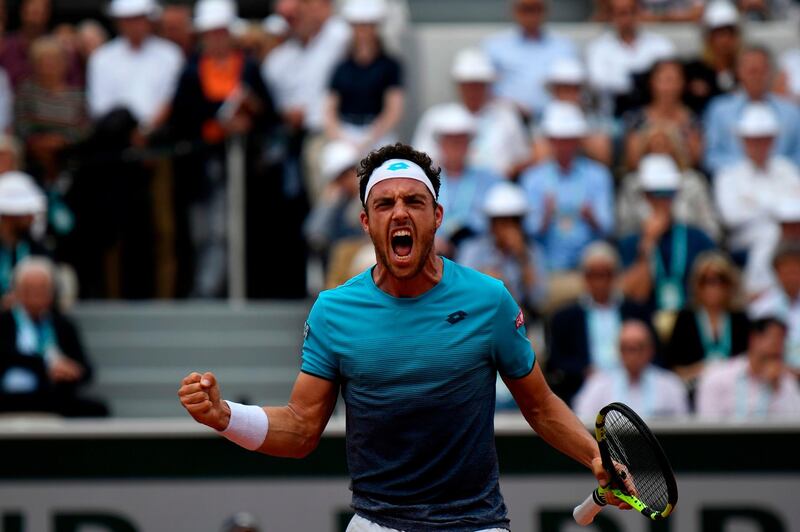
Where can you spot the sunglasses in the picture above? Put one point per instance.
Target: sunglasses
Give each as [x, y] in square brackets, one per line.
[714, 280]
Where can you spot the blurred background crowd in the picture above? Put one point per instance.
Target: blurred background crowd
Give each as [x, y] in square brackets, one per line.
[641, 205]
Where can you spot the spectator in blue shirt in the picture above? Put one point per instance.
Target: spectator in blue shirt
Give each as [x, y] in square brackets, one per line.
[523, 56]
[504, 252]
[723, 145]
[464, 187]
[571, 196]
[657, 261]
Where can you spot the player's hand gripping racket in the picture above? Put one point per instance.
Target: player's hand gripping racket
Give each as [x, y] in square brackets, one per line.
[639, 470]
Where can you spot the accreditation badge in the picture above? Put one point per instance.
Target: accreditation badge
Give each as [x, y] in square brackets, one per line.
[670, 294]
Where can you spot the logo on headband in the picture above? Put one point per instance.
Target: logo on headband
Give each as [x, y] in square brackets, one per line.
[398, 166]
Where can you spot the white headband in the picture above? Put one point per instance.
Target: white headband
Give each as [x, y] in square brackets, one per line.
[395, 169]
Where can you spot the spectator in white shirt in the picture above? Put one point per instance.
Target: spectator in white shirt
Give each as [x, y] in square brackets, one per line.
[759, 275]
[747, 191]
[649, 390]
[501, 143]
[523, 56]
[754, 385]
[783, 300]
[136, 71]
[621, 53]
[298, 71]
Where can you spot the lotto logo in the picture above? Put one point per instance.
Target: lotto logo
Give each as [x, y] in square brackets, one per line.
[397, 166]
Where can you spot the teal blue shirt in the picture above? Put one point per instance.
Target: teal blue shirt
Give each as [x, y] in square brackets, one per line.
[418, 380]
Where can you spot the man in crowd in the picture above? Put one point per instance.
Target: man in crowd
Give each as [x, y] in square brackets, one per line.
[584, 336]
[298, 73]
[501, 143]
[783, 299]
[747, 191]
[42, 361]
[417, 342]
[620, 55]
[651, 391]
[523, 55]
[130, 83]
[464, 186]
[754, 385]
[175, 25]
[658, 259]
[755, 73]
[504, 252]
[571, 197]
[21, 202]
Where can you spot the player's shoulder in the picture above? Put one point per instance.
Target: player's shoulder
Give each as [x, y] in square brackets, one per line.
[353, 287]
[476, 282]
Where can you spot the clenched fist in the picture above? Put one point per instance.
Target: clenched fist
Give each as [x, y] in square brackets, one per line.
[199, 395]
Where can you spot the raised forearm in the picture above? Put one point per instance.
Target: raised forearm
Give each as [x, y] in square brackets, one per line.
[291, 434]
[558, 426]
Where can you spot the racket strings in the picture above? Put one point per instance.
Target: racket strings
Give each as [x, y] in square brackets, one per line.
[627, 446]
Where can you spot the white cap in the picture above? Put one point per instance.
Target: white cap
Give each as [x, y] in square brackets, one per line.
[564, 120]
[20, 195]
[364, 11]
[132, 8]
[338, 156]
[505, 199]
[658, 172]
[566, 71]
[720, 13]
[214, 15]
[787, 209]
[453, 119]
[757, 120]
[275, 25]
[473, 65]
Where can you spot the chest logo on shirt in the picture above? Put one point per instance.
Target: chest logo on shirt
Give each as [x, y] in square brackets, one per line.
[455, 317]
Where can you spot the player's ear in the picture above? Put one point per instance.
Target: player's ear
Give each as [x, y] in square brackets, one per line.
[365, 220]
[439, 214]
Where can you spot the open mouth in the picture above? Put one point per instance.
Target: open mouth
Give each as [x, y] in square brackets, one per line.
[402, 243]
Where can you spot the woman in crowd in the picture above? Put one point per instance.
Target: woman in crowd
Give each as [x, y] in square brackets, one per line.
[366, 97]
[664, 111]
[710, 328]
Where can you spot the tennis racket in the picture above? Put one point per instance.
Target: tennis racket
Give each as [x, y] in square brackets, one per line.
[640, 472]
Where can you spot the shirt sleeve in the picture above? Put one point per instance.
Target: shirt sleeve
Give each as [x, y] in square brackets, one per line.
[512, 351]
[318, 359]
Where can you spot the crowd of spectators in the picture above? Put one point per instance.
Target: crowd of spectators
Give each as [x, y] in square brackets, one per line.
[644, 208]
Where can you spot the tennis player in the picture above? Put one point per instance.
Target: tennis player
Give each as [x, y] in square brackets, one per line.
[414, 343]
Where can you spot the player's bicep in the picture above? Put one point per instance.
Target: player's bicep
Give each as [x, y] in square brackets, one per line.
[530, 391]
[313, 400]
[513, 353]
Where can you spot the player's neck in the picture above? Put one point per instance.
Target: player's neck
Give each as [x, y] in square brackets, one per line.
[429, 276]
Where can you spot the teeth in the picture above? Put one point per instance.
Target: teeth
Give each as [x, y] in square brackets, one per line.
[402, 232]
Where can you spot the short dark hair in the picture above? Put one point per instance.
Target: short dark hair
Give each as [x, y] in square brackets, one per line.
[399, 150]
[758, 326]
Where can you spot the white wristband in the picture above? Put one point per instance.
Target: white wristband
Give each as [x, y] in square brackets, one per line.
[247, 427]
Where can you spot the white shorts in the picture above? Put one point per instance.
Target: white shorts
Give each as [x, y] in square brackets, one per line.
[359, 524]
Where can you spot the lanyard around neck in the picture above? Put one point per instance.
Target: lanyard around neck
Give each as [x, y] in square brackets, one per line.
[714, 348]
[7, 264]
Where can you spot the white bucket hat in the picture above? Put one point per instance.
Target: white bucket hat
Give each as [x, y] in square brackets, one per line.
[473, 65]
[564, 120]
[454, 119]
[566, 71]
[132, 8]
[720, 13]
[364, 11]
[659, 173]
[338, 156]
[505, 200]
[757, 120]
[19, 195]
[214, 15]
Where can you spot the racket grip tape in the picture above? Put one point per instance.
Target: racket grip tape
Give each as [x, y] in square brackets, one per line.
[584, 513]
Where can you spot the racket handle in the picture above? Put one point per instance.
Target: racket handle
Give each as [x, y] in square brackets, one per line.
[584, 513]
